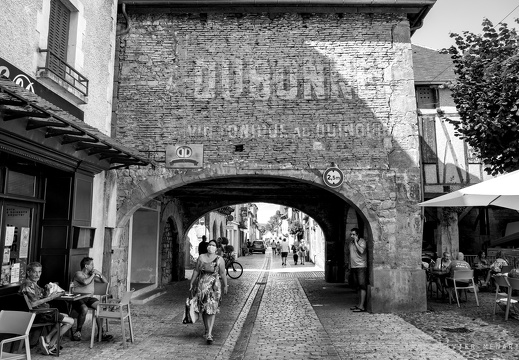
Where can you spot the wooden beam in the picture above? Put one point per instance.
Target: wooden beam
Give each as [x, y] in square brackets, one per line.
[70, 139]
[52, 132]
[12, 114]
[88, 145]
[33, 124]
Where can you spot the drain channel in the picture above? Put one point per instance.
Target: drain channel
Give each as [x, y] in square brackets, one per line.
[242, 342]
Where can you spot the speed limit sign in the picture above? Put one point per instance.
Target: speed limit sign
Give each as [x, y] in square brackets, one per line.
[333, 177]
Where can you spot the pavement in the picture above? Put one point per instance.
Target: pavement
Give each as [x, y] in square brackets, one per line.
[274, 312]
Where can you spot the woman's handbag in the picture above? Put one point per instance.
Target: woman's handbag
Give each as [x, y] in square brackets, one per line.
[190, 315]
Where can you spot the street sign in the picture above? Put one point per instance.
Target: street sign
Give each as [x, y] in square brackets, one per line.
[333, 177]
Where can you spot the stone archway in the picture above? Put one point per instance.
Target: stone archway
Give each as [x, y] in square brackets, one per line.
[389, 270]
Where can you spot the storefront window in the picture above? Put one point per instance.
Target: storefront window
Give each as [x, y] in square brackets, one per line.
[16, 233]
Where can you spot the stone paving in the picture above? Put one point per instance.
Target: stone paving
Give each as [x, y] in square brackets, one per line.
[275, 312]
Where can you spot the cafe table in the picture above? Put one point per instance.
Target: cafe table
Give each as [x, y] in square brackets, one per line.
[70, 298]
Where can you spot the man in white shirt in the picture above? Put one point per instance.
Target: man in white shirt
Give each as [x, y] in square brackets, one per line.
[284, 252]
[359, 266]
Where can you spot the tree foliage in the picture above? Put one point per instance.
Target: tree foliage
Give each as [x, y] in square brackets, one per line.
[486, 93]
[296, 228]
[274, 223]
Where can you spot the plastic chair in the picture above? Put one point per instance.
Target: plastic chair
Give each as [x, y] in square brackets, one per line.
[463, 276]
[115, 310]
[44, 325]
[19, 323]
[100, 291]
[502, 281]
[514, 285]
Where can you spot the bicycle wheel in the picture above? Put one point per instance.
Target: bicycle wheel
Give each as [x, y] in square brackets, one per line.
[234, 270]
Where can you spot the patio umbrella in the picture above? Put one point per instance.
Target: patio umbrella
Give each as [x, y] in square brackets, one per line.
[501, 191]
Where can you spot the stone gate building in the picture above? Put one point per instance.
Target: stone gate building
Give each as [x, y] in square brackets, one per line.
[265, 96]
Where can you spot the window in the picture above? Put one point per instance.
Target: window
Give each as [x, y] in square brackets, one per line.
[59, 22]
[63, 46]
[426, 97]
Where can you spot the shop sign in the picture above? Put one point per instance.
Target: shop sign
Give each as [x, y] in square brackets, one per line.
[20, 78]
[185, 156]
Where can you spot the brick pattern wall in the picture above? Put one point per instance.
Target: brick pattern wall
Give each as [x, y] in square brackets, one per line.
[294, 91]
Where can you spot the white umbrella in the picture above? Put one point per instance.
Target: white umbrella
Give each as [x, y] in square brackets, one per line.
[501, 191]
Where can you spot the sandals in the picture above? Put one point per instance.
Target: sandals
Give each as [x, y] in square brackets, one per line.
[354, 307]
[359, 310]
[209, 339]
[44, 346]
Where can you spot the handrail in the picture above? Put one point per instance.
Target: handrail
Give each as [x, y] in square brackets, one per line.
[65, 72]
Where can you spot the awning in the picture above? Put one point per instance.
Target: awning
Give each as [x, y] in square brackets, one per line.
[26, 118]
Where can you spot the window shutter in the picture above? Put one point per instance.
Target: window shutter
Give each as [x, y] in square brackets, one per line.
[58, 35]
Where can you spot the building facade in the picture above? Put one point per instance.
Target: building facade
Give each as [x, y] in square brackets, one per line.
[261, 100]
[449, 164]
[57, 160]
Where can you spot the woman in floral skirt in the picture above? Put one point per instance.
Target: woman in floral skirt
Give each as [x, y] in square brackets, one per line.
[207, 276]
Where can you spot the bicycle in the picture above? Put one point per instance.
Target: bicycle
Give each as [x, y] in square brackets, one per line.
[233, 268]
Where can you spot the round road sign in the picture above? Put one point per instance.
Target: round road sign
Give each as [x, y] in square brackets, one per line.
[333, 177]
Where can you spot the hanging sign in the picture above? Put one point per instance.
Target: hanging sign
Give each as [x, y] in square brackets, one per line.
[333, 177]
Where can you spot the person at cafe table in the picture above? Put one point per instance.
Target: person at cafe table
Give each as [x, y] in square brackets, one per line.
[84, 280]
[440, 269]
[496, 267]
[481, 266]
[39, 299]
[458, 264]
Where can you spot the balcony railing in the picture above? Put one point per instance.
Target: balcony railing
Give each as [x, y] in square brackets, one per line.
[65, 72]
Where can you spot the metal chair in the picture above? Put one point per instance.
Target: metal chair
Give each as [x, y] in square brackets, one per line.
[115, 310]
[463, 276]
[502, 281]
[18, 323]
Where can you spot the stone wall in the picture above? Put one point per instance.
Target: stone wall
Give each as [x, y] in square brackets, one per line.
[298, 93]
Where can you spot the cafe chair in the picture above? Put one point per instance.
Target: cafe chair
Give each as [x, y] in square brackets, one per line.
[44, 326]
[463, 280]
[16, 323]
[114, 310]
[101, 292]
[502, 282]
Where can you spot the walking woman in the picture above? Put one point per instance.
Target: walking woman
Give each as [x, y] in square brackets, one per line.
[209, 271]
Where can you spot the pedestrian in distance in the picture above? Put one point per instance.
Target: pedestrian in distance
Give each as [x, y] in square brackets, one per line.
[284, 252]
[295, 250]
[206, 286]
[302, 252]
[358, 266]
[202, 247]
[273, 246]
[278, 248]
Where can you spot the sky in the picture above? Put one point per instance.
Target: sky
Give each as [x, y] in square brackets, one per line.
[456, 16]
[265, 211]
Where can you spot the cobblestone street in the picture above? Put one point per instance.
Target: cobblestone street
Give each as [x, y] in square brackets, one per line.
[292, 313]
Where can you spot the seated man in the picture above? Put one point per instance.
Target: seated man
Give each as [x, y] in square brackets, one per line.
[36, 295]
[496, 267]
[84, 284]
[458, 264]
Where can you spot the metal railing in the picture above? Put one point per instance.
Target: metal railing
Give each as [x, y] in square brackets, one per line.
[65, 72]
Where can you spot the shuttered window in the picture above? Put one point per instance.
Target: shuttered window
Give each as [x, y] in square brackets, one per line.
[59, 22]
[426, 97]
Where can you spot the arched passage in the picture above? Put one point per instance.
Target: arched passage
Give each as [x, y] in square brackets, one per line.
[189, 195]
